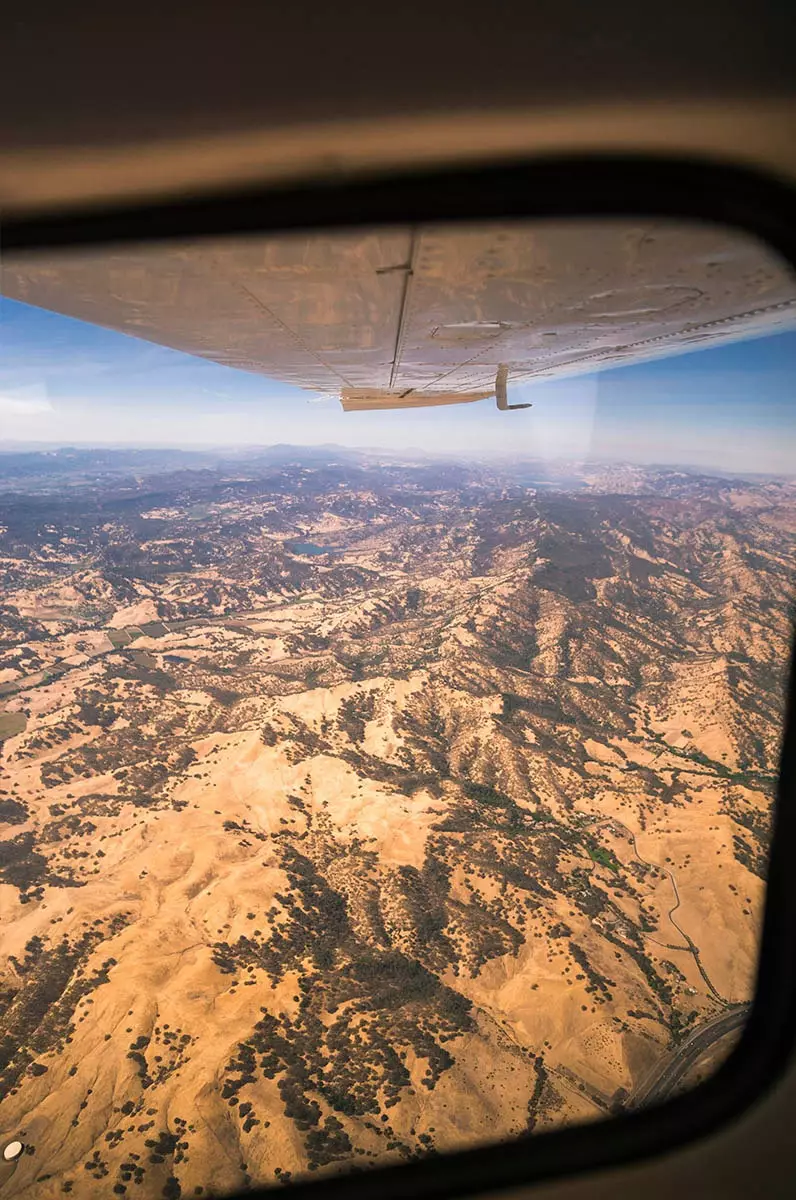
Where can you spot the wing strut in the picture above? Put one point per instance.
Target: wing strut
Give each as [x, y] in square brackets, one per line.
[501, 393]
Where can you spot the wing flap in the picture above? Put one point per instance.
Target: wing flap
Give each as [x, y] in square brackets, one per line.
[369, 400]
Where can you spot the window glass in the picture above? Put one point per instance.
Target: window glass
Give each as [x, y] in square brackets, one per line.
[386, 766]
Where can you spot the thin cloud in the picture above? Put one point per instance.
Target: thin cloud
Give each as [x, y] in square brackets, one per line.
[16, 405]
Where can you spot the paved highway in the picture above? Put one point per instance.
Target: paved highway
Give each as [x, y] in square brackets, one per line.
[668, 1074]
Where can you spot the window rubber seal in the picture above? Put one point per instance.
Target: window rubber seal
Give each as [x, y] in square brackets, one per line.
[550, 187]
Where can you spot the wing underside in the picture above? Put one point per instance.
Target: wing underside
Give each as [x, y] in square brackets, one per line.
[414, 317]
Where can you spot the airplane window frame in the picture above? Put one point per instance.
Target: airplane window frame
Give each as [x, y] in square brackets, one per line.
[587, 186]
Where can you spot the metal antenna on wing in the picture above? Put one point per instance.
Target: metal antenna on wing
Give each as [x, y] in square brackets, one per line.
[501, 393]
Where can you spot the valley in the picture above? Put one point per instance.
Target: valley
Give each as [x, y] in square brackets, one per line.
[357, 808]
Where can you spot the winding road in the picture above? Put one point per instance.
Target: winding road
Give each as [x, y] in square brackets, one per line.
[690, 945]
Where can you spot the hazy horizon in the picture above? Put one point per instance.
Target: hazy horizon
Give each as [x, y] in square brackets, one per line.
[231, 450]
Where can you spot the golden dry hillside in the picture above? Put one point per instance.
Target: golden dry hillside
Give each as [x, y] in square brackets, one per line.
[357, 808]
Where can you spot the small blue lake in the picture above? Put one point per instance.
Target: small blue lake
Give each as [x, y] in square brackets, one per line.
[311, 549]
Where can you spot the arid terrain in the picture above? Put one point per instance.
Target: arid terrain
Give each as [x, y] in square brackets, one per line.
[357, 808]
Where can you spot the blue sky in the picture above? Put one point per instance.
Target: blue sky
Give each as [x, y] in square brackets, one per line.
[63, 381]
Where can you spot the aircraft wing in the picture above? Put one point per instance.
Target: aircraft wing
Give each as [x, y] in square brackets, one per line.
[433, 315]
